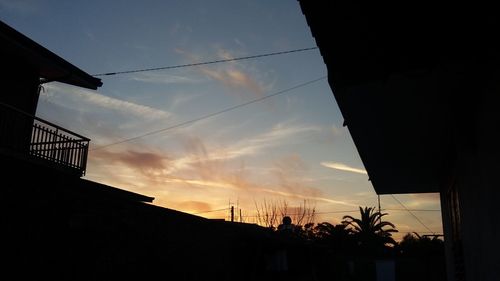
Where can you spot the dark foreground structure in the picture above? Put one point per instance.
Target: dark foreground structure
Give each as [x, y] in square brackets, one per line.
[418, 85]
[57, 226]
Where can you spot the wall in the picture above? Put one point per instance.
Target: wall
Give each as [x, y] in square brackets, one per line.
[477, 184]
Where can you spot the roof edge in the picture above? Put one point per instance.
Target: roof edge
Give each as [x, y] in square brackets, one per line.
[73, 75]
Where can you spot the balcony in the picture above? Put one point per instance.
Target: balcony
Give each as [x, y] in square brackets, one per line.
[30, 137]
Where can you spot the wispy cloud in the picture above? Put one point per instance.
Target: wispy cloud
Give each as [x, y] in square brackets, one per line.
[277, 135]
[343, 167]
[200, 166]
[215, 170]
[248, 146]
[74, 97]
[193, 206]
[234, 79]
[306, 197]
[147, 163]
[162, 78]
[206, 183]
[231, 75]
[178, 100]
[253, 188]
[337, 131]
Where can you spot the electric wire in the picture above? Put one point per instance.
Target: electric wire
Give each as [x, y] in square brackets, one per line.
[323, 213]
[235, 107]
[410, 212]
[429, 231]
[413, 210]
[211, 114]
[211, 211]
[204, 63]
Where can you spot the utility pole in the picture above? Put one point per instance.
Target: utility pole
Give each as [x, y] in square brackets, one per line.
[232, 213]
[241, 219]
[380, 217]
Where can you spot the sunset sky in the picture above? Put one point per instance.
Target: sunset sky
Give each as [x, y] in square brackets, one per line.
[291, 146]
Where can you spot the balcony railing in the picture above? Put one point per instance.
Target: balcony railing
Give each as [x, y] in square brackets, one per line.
[35, 138]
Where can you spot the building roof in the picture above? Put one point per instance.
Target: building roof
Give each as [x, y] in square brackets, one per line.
[51, 67]
[393, 68]
[103, 190]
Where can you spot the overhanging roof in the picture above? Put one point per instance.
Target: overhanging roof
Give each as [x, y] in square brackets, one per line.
[393, 68]
[49, 65]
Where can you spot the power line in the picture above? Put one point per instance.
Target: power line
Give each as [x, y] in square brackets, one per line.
[211, 211]
[413, 210]
[338, 212]
[298, 214]
[412, 213]
[212, 114]
[348, 211]
[205, 63]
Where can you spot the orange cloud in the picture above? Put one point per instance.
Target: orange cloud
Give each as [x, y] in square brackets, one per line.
[234, 79]
[228, 74]
[144, 162]
[199, 177]
[193, 206]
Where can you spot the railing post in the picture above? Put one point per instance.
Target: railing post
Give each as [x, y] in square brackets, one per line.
[47, 140]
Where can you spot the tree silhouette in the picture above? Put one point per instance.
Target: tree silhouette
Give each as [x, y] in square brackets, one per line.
[338, 237]
[327, 230]
[270, 213]
[370, 231]
[415, 245]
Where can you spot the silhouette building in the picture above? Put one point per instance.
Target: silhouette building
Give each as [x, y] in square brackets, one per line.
[57, 225]
[418, 86]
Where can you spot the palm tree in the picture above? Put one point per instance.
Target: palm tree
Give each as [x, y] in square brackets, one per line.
[337, 237]
[370, 230]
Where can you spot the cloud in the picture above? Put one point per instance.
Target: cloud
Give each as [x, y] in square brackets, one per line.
[420, 200]
[162, 78]
[276, 136]
[337, 131]
[343, 167]
[178, 100]
[230, 75]
[224, 54]
[197, 152]
[306, 197]
[74, 97]
[148, 163]
[205, 183]
[234, 79]
[193, 206]
[202, 170]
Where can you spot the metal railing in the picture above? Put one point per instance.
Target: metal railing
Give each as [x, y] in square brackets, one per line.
[34, 137]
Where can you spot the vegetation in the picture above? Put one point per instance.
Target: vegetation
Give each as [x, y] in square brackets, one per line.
[271, 213]
[351, 248]
[370, 231]
[414, 245]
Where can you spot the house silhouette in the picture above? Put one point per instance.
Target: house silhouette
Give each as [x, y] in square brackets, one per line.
[58, 226]
[418, 86]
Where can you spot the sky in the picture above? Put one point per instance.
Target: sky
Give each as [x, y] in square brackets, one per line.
[290, 147]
